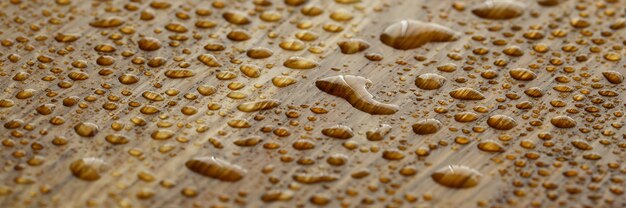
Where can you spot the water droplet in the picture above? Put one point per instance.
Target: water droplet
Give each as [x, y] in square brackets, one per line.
[297, 62]
[457, 176]
[149, 44]
[427, 126]
[430, 81]
[107, 22]
[490, 146]
[501, 122]
[314, 178]
[86, 129]
[216, 168]
[338, 132]
[89, 169]
[209, 60]
[354, 90]
[465, 93]
[410, 34]
[258, 105]
[352, 46]
[499, 9]
[379, 133]
[563, 122]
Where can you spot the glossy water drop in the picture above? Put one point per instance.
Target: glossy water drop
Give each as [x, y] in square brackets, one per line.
[457, 176]
[354, 90]
[216, 168]
[410, 34]
[499, 9]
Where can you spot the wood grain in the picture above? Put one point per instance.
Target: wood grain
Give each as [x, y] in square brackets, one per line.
[36, 171]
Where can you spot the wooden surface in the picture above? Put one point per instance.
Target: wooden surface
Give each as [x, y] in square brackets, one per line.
[145, 172]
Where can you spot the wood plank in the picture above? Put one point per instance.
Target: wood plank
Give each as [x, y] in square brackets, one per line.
[113, 103]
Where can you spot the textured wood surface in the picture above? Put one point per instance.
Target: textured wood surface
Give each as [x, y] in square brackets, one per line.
[533, 160]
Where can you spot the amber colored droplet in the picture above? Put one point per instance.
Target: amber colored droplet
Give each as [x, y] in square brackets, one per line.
[238, 35]
[176, 27]
[457, 176]
[427, 126]
[320, 199]
[116, 139]
[66, 37]
[248, 142]
[216, 168]
[534, 92]
[214, 47]
[490, 146]
[393, 154]
[6, 103]
[430, 81]
[258, 105]
[374, 56]
[522, 74]
[563, 122]
[354, 90]
[307, 36]
[149, 44]
[352, 46]
[499, 9]
[465, 93]
[379, 133]
[283, 81]
[209, 60]
[179, 73]
[86, 129]
[239, 123]
[162, 134]
[581, 144]
[107, 22]
[152, 96]
[89, 169]
[271, 16]
[341, 15]
[314, 178]
[338, 132]
[259, 53]
[347, 1]
[465, 117]
[549, 2]
[501, 122]
[77, 76]
[337, 159]
[618, 24]
[297, 62]
[614, 77]
[579, 23]
[410, 34]
[45, 109]
[128, 79]
[250, 70]
[25, 94]
[206, 90]
[278, 195]
[237, 18]
[292, 45]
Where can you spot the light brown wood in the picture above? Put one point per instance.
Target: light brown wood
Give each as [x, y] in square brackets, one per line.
[523, 100]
